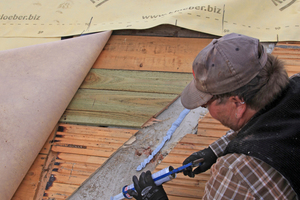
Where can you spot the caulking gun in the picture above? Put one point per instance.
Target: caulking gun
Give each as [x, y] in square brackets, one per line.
[159, 178]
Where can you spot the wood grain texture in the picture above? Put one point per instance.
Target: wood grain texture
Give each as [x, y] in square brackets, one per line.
[136, 81]
[150, 53]
[31, 184]
[80, 151]
[104, 107]
[289, 52]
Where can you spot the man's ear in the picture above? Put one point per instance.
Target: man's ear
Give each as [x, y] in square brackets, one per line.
[240, 106]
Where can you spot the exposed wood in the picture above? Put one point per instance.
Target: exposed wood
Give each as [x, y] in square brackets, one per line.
[150, 53]
[46, 174]
[99, 131]
[103, 107]
[135, 103]
[27, 188]
[78, 154]
[136, 81]
[289, 52]
[80, 150]
[210, 127]
[30, 185]
[183, 186]
[103, 118]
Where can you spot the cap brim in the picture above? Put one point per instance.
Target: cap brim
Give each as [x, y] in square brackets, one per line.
[192, 98]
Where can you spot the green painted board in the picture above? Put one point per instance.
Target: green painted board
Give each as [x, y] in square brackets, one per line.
[106, 107]
[138, 81]
[103, 118]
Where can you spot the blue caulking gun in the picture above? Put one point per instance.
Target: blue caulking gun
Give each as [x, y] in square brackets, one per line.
[159, 178]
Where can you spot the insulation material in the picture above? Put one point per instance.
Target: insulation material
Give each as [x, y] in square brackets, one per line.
[271, 21]
[36, 87]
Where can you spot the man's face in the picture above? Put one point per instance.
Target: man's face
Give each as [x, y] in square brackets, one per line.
[225, 113]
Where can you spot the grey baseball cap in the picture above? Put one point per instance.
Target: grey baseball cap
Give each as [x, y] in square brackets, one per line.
[224, 65]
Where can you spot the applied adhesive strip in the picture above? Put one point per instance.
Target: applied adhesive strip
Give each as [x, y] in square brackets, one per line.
[169, 134]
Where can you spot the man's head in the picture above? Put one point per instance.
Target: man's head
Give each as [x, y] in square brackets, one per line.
[235, 67]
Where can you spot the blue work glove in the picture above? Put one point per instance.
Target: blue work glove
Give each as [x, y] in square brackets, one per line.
[145, 188]
[209, 159]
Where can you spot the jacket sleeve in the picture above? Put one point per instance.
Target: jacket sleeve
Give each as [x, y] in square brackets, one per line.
[219, 146]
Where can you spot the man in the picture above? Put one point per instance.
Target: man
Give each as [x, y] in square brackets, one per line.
[249, 91]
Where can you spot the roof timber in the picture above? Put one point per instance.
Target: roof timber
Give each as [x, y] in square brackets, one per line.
[185, 146]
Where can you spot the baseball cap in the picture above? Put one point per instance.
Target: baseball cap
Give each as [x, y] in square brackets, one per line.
[224, 65]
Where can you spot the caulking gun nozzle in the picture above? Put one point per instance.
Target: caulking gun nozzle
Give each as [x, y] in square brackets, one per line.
[197, 162]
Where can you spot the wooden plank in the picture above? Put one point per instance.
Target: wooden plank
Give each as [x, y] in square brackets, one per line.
[69, 179]
[81, 150]
[88, 140]
[150, 53]
[289, 52]
[81, 158]
[66, 167]
[101, 107]
[31, 182]
[28, 187]
[103, 118]
[100, 131]
[135, 103]
[46, 173]
[60, 188]
[136, 81]
[84, 151]
[196, 140]
[211, 133]
[191, 192]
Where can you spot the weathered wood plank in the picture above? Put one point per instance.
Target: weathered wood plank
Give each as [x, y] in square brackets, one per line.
[75, 168]
[69, 179]
[84, 151]
[81, 158]
[100, 131]
[178, 190]
[60, 188]
[28, 187]
[197, 140]
[89, 140]
[46, 173]
[150, 53]
[137, 81]
[211, 133]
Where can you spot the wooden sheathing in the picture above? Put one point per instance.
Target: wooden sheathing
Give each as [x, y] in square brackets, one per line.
[77, 149]
[32, 185]
[289, 52]
[81, 150]
[134, 79]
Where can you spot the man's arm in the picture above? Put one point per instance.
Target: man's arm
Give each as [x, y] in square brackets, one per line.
[210, 154]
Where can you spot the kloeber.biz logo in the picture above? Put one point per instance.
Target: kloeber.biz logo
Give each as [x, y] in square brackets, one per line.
[19, 17]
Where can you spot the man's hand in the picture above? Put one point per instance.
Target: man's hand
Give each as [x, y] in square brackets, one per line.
[209, 159]
[145, 188]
